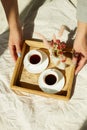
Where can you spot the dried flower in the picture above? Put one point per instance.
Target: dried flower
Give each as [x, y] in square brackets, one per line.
[57, 47]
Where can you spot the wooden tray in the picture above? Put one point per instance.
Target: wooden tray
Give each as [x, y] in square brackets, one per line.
[27, 82]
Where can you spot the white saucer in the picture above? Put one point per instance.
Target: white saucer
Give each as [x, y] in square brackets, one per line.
[36, 68]
[59, 84]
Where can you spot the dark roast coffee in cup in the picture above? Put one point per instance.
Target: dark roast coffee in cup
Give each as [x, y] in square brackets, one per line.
[35, 59]
[50, 79]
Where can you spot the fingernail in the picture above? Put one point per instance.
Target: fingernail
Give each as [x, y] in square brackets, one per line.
[76, 73]
[74, 63]
[19, 54]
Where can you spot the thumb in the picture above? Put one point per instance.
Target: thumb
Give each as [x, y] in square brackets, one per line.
[74, 60]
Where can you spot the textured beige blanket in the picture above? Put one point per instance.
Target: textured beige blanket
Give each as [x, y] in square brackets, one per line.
[32, 112]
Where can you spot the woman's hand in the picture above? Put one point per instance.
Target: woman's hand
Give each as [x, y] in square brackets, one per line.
[15, 36]
[15, 41]
[80, 46]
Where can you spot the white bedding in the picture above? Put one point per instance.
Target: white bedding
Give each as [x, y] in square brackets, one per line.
[32, 112]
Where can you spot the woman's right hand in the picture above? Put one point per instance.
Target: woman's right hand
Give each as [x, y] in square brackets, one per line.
[15, 41]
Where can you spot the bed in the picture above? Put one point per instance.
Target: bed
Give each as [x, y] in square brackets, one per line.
[24, 111]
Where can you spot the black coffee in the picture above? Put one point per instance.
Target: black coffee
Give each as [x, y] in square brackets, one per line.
[50, 79]
[34, 59]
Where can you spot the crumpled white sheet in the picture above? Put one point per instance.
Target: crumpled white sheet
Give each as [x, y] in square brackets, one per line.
[32, 112]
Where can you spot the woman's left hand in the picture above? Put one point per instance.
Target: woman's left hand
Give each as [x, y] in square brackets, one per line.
[80, 47]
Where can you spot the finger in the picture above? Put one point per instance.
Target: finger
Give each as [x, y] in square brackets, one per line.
[81, 63]
[74, 60]
[13, 52]
[18, 49]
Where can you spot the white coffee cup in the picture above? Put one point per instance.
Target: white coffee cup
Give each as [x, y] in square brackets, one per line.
[50, 78]
[35, 61]
[33, 58]
[51, 81]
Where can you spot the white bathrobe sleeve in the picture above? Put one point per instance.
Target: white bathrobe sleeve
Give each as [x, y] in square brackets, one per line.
[82, 10]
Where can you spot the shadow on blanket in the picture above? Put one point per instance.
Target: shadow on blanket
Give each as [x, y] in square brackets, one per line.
[84, 127]
[28, 24]
[3, 42]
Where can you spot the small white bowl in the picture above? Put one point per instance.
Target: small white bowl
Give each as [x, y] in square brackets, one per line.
[51, 81]
[35, 61]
